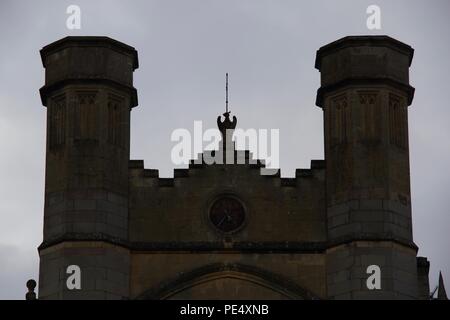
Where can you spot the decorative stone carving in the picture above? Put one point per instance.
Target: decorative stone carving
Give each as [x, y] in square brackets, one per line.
[340, 119]
[116, 120]
[371, 117]
[85, 124]
[57, 122]
[397, 121]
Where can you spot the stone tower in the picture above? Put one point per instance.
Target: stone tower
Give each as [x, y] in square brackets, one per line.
[365, 94]
[89, 94]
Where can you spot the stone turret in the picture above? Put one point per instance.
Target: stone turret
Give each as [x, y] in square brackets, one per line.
[89, 94]
[365, 94]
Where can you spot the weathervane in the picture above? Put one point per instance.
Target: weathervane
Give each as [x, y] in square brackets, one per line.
[226, 123]
[226, 93]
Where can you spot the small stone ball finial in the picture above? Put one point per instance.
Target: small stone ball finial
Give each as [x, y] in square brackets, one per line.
[31, 285]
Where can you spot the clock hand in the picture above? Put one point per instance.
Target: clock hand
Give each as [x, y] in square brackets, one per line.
[221, 221]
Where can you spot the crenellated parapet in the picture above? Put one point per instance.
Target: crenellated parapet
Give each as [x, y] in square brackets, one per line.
[138, 171]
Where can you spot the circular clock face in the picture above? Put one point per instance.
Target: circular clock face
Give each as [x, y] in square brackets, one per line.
[227, 214]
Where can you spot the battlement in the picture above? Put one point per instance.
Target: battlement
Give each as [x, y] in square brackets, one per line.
[138, 170]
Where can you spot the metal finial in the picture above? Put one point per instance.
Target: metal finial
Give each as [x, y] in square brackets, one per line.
[441, 295]
[226, 93]
[31, 295]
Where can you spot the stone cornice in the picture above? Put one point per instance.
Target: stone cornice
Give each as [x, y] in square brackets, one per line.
[358, 41]
[46, 90]
[226, 247]
[355, 81]
[89, 41]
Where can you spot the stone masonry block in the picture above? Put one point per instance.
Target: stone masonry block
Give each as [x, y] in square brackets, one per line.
[367, 216]
[82, 204]
[367, 260]
[338, 209]
[108, 206]
[405, 262]
[111, 287]
[118, 199]
[372, 227]
[115, 231]
[344, 230]
[344, 287]
[52, 209]
[336, 265]
[81, 227]
[405, 288]
[54, 198]
[85, 216]
[397, 207]
[117, 221]
[342, 275]
[369, 204]
[338, 220]
[117, 277]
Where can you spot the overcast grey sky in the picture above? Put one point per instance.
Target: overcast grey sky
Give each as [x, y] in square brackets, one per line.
[185, 47]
